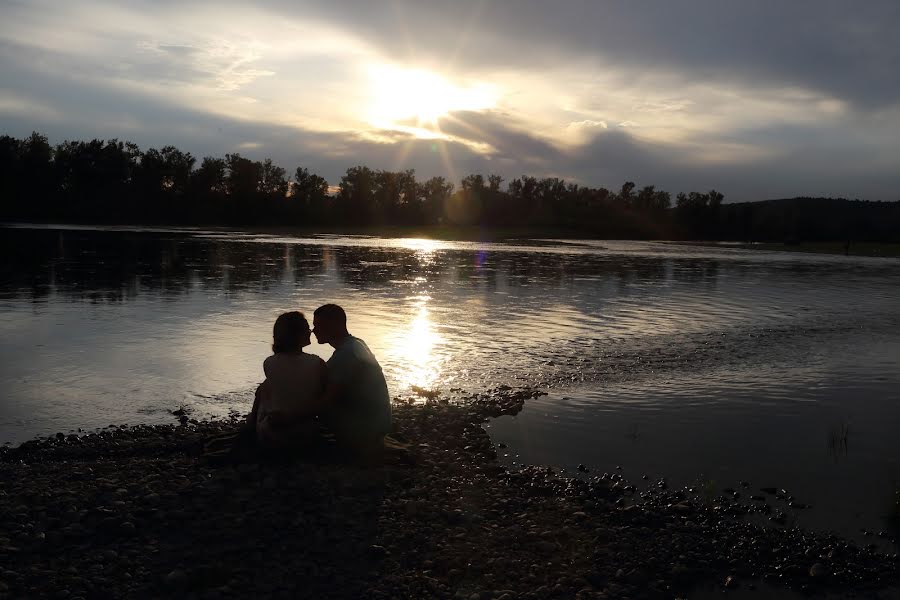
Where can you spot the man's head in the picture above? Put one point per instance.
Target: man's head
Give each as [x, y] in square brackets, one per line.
[330, 324]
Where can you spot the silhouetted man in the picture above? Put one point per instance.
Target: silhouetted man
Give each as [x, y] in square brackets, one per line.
[357, 403]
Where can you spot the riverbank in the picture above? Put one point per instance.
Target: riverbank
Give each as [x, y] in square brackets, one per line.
[854, 249]
[883, 249]
[452, 233]
[461, 233]
[135, 512]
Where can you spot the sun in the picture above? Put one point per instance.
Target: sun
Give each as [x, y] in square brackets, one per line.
[416, 99]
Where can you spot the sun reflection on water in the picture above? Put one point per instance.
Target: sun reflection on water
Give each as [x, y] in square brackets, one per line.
[414, 350]
[422, 246]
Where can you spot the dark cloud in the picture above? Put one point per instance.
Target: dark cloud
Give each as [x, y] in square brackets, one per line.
[503, 132]
[844, 50]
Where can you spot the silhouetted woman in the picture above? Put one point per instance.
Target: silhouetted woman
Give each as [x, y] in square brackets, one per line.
[283, 414]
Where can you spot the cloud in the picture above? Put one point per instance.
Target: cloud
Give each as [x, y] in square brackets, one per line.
[16, 105]
[223, 65]
[822, 45]
[758, 99]
[587, 124]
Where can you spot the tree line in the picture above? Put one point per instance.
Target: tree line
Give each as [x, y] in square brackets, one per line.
[112, 181]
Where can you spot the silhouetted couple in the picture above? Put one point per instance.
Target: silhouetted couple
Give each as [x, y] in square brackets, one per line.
[304, 399]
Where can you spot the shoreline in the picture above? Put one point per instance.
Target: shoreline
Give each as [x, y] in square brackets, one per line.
[454, 233]
[135, 512]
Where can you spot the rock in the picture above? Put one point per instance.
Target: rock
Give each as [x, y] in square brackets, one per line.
[818, 570]
[176, 580]
[127, 528]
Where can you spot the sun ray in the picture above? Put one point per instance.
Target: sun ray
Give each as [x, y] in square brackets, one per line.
[475, 132]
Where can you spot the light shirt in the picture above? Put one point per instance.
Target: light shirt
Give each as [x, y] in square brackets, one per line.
[363, 409]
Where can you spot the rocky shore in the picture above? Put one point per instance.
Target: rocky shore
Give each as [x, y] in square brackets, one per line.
[136, 512]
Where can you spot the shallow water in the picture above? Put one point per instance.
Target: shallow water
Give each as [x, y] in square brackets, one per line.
[699, 363]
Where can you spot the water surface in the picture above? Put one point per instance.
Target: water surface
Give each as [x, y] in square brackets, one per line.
[703, 364]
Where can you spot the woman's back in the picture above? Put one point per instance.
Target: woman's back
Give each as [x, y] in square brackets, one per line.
[295, 380]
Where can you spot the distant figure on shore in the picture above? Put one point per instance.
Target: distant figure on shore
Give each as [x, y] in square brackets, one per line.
[356, 406]
[283, 414]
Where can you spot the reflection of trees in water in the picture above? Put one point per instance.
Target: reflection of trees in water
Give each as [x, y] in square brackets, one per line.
[116, 266]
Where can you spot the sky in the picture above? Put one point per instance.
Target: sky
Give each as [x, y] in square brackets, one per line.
[762, 99]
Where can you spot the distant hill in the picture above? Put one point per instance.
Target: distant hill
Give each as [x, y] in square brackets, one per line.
[809, 219]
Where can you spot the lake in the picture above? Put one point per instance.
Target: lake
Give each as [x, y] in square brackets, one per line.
[707, 365]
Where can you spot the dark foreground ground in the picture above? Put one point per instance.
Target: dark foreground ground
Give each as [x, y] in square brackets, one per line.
[135, 512]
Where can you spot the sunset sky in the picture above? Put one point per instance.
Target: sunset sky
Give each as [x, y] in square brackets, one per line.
[756, 99]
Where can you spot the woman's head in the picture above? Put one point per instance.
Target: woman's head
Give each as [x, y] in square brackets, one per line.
[291, 332]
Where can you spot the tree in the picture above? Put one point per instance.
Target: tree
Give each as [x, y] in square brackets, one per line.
[211, 178]
[411, 210]
[309, 193]
[356, 200]
[273, 181]
[177, 169]
[434, 194]
[473, 182]
[244, 177]
[625, 196]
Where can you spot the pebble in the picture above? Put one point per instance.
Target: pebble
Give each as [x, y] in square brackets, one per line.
[176, 579]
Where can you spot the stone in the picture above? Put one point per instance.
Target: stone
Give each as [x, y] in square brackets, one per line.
[176, 579]
[127, 528]
[818, 570]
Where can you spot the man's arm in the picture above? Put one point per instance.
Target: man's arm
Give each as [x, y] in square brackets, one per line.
[327, 394]
[338, 375]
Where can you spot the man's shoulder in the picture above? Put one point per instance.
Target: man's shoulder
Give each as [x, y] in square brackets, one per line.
[353, 353]
[349, 346]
